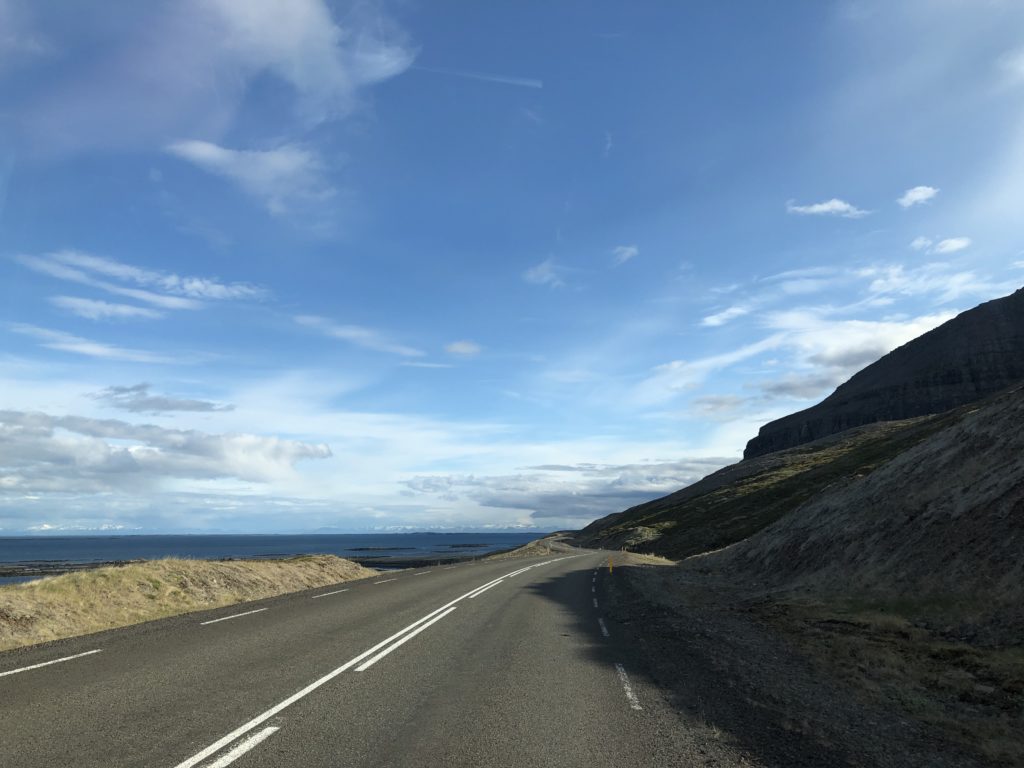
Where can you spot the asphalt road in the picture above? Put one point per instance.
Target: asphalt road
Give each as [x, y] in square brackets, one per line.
[481, 664]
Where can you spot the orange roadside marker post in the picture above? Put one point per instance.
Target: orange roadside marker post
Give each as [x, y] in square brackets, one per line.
[609, 564]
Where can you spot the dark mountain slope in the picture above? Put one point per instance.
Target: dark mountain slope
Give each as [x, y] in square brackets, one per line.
[977, 353]
[739, 500]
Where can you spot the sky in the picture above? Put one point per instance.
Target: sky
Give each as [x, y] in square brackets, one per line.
[306, 265]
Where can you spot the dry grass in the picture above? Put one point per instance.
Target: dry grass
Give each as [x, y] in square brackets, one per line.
[90, 601]
[640, 558]
[974, 694]
[550, 545]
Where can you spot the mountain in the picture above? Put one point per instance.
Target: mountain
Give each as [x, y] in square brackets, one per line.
[942, 521]
[739, 500]
[977, 353]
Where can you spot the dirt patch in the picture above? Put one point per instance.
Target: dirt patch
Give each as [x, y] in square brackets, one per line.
[79, 603]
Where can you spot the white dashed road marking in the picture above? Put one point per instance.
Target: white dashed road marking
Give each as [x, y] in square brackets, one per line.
[232, 616]
[328, 594]
[634, 702]
[48, 663]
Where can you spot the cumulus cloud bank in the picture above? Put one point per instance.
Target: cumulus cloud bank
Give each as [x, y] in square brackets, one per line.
[40, 452]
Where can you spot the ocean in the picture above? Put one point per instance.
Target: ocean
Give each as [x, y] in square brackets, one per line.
[92, 549]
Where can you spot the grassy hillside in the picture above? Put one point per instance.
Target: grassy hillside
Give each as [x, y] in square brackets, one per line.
[740, 500]
[90, 601]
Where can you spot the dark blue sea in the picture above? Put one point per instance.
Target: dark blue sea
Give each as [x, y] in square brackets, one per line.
[90, 549]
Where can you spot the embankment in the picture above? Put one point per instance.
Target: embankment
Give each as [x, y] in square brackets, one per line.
[104, 598]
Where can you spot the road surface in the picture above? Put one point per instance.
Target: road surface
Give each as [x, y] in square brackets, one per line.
[496, 663]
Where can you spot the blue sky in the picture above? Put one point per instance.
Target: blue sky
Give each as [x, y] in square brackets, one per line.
[376, 266]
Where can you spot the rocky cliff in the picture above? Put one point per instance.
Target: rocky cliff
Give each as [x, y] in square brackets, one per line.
[974, 355]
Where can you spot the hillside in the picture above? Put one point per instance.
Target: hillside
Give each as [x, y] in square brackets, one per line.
[740, 500]
[976, 354]
[940, 523]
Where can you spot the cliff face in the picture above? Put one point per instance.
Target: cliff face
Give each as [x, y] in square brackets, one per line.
[972, 356]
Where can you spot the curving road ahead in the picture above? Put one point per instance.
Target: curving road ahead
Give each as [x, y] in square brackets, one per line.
[501, 663]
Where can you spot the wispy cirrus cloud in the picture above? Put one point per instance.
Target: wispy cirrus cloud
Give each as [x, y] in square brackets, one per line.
[463, 348]
[952, 244]
[917, 196]
[358, 335]
[623, 253]
[280, 178]
[946, 246]
[66, 342]
[545, 273]
[833, 207]
[160, 289]
[93, 309]
[487, 77]
[723, 317]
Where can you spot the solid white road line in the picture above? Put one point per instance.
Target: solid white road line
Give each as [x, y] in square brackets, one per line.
[482, 587]
[244, 747]
[48, 663]
[262, 718]
[481, 591]
[385, 581]
[634, 702]
[604, 629]
[328, 594]
[367, 664]
[233, 616]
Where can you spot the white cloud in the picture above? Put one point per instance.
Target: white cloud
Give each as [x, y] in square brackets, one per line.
[935, 279]
[92, 309]
[545, 273]
[41, 453]
[138, 90]
[177, 292]
[949, 245]
[843, 347]
[674, 378]
[300, 43]
[138, 399]
[624, 253]
[572, 493]
[66, 342]
[280, 178]
[358, 335]
[952, 244]
[917, 196]
[833, 207]
[463, 348]
[723, 317]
